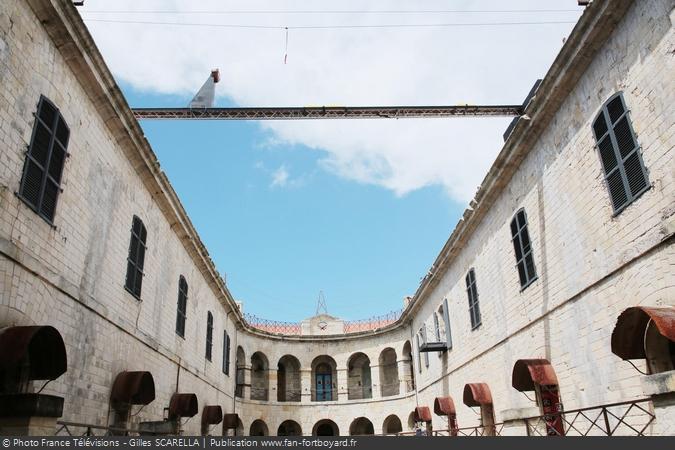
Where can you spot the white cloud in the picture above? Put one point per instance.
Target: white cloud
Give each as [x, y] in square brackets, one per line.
[279, 177]
[477, 65]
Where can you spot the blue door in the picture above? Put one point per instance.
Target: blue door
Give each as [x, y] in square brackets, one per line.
[324, 387]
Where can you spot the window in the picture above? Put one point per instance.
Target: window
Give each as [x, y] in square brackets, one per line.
[523, 249]
[625, 172]
[209, 335]
[41, 179]
[226, 353]
[472, 293]
[181, 313]
[136, 258]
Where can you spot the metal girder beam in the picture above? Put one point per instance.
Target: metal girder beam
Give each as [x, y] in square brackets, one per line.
[327, 112]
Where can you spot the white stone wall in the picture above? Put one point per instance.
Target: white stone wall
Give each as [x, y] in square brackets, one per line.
[591, 265]
[72, 276]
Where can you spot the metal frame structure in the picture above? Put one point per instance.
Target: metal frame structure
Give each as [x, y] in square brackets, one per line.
[327, 112]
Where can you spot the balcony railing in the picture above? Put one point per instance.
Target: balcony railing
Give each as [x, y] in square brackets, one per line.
[295, 328]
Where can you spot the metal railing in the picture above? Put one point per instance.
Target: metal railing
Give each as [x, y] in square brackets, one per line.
[631, 418]
[86, 429]
[273, 326]
[295, 328]
[372, 323]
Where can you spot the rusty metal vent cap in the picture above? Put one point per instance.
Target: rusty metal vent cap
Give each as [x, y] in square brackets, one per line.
[444, 406]
[41, 347]
[629, 332]
[422, 414]
[212, 415]
[528, 372]
[477, 394]
[183, 405]
[230, 421]
[134, 388]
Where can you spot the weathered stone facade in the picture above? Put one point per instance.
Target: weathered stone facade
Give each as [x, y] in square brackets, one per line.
[591, 264]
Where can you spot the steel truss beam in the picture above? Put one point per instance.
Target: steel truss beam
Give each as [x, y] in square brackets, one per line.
[327, 112]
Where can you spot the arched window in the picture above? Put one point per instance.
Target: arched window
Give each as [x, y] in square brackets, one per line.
[181, 309]
[472, 293]
[523, 248]
[41, 179]
[136, 258]
[209, 335]
[625, 172]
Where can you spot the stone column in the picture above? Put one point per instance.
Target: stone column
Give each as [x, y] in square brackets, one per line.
[307, 385]
[29, 414]
[343, 383]
[404, 375]
[514, 423]
[661, 388]
[246, 388]
[272, 385]
[375, 381]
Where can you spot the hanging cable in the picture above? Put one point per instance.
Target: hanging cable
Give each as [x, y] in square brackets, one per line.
[286, 49]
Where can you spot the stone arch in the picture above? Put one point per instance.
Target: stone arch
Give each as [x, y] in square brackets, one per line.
[240, 368]
[359, 381]
[408, 374]
[389, 381]
[258, 428]
[325, 427]
[288, 379]
[361, 426]
[411, 421]
[392, 425]
[289, 428]
[260, 382]
[324, 379]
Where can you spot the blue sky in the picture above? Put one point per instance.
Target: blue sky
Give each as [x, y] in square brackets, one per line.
[362, 245]
[356, 208]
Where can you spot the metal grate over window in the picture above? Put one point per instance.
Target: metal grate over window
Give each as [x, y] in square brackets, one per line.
[209, 335]
[136, 258]
[46, 155]
[181, 309]
[472, 293]
[226, 353]
[625, 172]
[523, 249]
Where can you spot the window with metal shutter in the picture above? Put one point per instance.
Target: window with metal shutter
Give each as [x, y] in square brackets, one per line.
[45, 158]
[424, 341]
[625, 172]
[181, 314]
[446, 319]
[419, 353]
[226, 353]
[472, 293]
[209, 335]
[136, 258]
[522, 247]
